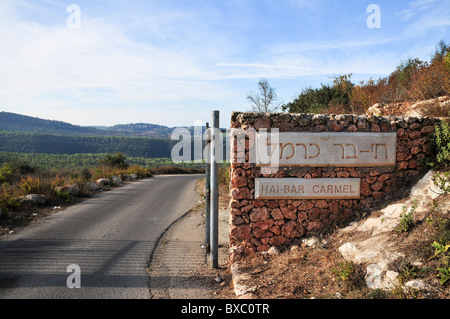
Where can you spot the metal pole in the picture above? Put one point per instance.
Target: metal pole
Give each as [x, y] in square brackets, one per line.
[215, 136]
[208, 189]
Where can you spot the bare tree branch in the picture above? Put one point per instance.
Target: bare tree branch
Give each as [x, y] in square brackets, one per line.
[266, 99]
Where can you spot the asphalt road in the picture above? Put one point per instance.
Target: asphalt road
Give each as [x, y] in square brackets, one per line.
[110, 237]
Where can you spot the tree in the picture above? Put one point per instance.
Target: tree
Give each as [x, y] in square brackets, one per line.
[265, 100]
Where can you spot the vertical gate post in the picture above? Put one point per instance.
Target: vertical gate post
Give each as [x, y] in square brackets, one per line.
[215, 144]
[208, 190]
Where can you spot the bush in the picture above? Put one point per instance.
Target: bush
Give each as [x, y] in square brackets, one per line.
[366, 94]
[11, 170]
[405, 71]
[406, 218]
[335, 98]
[430, 81]
[117, 161]
[6, 174]
[440, 147]
[311, 100]
[412, 80]
[139, 171]
[224, 174]
[30, 185]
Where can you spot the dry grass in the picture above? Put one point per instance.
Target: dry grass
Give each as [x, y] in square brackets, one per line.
[303, 273]
[434, 109]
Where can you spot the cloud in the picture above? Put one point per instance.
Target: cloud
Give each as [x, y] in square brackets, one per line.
[414, 8]
[166, 57]
[426, 17]
[50, 66]
[293, 60]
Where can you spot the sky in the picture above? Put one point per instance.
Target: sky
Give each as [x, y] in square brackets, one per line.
[173, 62]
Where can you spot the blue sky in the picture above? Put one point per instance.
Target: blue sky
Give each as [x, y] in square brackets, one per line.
[173, 62]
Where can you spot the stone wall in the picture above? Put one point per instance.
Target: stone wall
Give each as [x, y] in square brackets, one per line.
[256, 225]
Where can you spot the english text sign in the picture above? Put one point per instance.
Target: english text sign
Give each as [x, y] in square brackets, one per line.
[302, 188]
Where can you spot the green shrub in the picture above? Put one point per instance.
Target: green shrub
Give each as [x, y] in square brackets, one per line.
[406, 219]
[6, 174]
[344, 271]
[311, 100]
[11, 170]
[64, 196]
[407, 273]
[117, 161]
[85, 174]
[443, 274]
[439, 158]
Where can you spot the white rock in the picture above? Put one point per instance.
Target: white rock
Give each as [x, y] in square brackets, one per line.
[351, 227]
[273, 251]
[32, 199]
[103, 182]
[349, 251]
[425, 187]
[377, 278]
[417, 284]
[375, 109]
[311, 242]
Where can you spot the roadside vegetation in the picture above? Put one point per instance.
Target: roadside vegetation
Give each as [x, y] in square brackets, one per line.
[412, 80]
[29, 191]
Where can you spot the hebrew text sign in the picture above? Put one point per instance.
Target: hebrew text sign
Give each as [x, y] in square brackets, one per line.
[326, 149]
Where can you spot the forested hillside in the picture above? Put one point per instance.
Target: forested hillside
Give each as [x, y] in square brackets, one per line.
[21, 123]
[141, 129]
[74, 144]
[75, 161]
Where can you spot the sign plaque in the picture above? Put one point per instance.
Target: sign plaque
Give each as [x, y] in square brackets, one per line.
[358, 149]
[302, 188]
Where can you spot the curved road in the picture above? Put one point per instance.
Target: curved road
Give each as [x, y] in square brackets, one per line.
[110, 237]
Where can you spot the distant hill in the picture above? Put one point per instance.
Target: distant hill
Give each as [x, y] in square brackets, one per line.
[13, 122]
[21, 123]
[25, 142]
[26, 134]
[141, 129]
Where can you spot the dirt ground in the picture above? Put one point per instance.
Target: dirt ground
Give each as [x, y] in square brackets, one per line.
[223, 290]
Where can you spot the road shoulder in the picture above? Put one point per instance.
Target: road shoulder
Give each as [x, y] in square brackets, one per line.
[179, 267]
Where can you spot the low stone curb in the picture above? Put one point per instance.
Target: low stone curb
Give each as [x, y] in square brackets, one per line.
[241, 290]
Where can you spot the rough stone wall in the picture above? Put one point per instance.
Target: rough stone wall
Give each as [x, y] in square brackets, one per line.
[256, 225]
